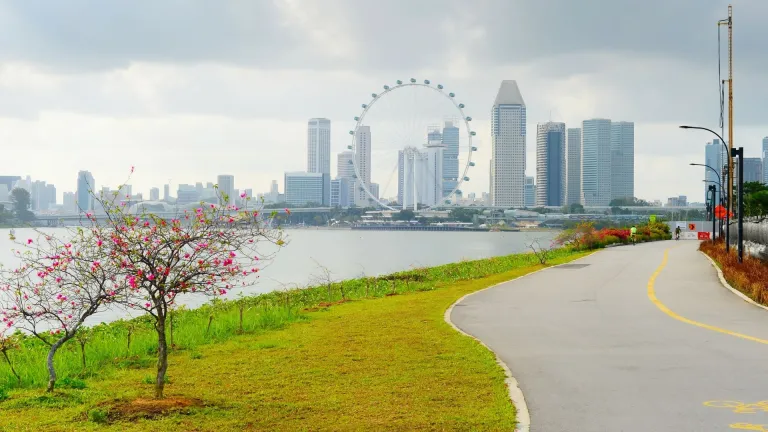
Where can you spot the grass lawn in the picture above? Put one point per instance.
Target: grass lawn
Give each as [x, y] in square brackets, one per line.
[390, 363]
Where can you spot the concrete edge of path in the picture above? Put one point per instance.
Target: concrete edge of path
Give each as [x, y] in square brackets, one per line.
[523, 417]
[729, 287]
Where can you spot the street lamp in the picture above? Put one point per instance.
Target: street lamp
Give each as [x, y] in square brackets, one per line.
[730, 191]
[719, 181]
[739, 152]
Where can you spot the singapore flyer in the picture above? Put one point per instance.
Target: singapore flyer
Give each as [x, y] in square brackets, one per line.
[412, 147]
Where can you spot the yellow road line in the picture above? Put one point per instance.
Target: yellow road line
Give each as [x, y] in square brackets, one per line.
[666, 310]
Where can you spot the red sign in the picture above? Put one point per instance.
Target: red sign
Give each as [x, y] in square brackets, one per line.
[704, 235]
[720, 212]
[691, 227]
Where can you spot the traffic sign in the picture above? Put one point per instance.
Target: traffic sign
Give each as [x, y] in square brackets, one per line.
[720, 212]
[692, 227]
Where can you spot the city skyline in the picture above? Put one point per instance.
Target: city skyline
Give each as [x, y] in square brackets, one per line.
[150, 101]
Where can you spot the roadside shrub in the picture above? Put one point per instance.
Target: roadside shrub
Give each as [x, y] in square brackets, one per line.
[3, 394]
[98, 416]
[73, 383]
[749, 277]
[610, 239]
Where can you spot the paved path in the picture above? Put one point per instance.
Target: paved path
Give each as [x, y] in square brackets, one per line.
[593, 353]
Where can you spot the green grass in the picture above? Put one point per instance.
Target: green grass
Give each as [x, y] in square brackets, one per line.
[375, 361]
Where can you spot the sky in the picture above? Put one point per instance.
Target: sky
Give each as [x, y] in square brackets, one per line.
[187, 90]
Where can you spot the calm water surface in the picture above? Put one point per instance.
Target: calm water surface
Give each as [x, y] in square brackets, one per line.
[348, 254]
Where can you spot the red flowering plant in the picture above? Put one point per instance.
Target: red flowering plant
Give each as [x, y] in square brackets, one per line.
[620, 233]
[206, 251]
[59, 282]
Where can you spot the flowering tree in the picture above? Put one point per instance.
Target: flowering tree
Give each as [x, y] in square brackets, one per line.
[207, 251]
[59, 283]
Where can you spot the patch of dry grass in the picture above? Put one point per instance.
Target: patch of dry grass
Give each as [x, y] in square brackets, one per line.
[749, 276]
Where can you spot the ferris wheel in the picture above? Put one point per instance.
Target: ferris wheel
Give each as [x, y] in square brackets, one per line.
[418, 133]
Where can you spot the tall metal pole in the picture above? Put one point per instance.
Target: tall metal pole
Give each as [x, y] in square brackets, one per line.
[741, 203]
[730, 107]
[714, 203]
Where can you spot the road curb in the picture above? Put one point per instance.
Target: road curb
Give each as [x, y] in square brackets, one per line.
[729, 287]
[523, 417]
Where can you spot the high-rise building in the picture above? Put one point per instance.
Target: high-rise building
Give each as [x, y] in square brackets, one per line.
[596, 162]
[302, 188]
[50, 192]
[508, 146]
[374, 188]
[363, 162]
[422, 176]
[340, 192]
[166, 192]
[450, 137]
[530, 191]
[345, 168]
[85, 186]
[227, 187]
[154, 194]
[68, 202]
[573, 167]
[765, 160]
[550, 164]
[753, 170]
[622, 159]
[713, 157]
[319, 153]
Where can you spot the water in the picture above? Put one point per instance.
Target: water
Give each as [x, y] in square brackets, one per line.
[347, 254]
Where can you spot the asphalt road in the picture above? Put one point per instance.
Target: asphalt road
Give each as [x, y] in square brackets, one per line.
[592, 351]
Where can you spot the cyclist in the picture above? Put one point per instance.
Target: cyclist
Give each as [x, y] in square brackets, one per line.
[677, 233]
[633, 234]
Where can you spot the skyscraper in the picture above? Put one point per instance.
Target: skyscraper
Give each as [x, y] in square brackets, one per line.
[85, 185]
[573, 167]
[550, 164]
[363, 162]
[450, 138]
[422, 175]
[319, 153]
[166, 192]
[508, 146]
[765, 160]
[227, 187]
[345, 168]
[530, 191]
[302, 188]
[753, 170]
[713, 157]
[596, 162]
[69, 202]
[154, 194]
[622, 159]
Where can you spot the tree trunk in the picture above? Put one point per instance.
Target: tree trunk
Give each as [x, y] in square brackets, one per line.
[241, 318]
[8, 360]
[162, 357]
[51, 370]
[210, 321]
[128, 354]
[82, 353]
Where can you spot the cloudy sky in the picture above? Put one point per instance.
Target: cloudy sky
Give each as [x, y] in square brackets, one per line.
[186, 90]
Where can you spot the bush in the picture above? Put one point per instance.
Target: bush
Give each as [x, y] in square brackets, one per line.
[749, 277]
[72, 383]
[3, 394]
[97, 416]
[610, 239]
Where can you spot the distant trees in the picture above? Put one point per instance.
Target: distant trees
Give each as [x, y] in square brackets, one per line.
[755, 199]
[463, 214]
[21, 202]
[629, 202]
[404, 215]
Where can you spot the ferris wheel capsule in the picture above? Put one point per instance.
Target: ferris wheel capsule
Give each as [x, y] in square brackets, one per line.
[447, 201]
[469, 118]
[470, 163]
[426, 82]
[439, 86]
[349, 147]
[473, 133]
[466, 178]
[451, 94]
[413, 80]
[364, 106]
[461, 105]
[474, 148]
[386, 87]
[373, 95]
[399, 82]
[351, 132]
[357, 118]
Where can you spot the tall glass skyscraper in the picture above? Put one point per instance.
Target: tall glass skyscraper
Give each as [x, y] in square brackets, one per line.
[550, 164]
[85, 186]
[596, 162]
[573, 167]
[622, 159]
[713, 157]
[508, 117]
[319, 153]
[450, 157]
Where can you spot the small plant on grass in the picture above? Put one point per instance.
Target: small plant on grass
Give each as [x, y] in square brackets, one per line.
[206, 252]
[58, 285]
[3, 394]
[98, 415]
[540, 252]
[9, 343]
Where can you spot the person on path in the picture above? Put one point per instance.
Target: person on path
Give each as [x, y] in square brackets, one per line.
[677, 233]
[633, 234]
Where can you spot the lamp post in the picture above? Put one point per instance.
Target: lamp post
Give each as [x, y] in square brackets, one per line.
[739, 152]
[729, 192]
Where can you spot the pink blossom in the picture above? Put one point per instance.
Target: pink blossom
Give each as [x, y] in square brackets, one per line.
[147, 305]
[131, 169]
[29, 241]
[243, 195]
[99, 242]
[150, 277]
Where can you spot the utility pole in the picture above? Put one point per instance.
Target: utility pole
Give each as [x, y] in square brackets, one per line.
[729, 23]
